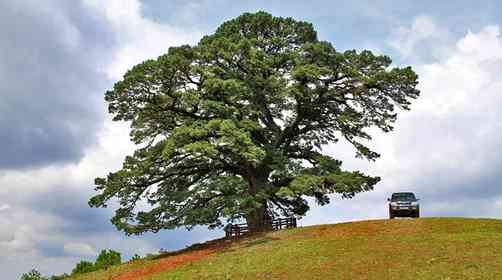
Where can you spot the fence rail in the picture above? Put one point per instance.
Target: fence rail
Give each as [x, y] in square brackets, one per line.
[236, 230]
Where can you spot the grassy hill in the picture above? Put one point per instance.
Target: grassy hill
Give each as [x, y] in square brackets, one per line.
[430, 248]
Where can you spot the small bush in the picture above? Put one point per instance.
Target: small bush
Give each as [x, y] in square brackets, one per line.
[136, 257]
[83, 267]
[33, 275]
[106, 259]
[59, 277]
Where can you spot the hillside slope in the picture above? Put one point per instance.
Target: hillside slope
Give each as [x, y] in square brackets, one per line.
[430, 248]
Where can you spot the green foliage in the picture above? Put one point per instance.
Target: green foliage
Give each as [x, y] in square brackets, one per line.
[234, 126]
[83, 267]
[136, 257]
[33, 275]
[106, 259]
[59, 277]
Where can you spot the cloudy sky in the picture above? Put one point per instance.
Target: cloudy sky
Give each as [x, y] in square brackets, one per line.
[58, 57]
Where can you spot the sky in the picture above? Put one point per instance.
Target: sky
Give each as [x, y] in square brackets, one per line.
[57, 58]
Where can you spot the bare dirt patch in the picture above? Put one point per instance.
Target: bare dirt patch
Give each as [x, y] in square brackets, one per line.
[171, 261]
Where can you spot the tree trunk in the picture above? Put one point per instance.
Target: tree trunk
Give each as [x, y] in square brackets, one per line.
[259, 219]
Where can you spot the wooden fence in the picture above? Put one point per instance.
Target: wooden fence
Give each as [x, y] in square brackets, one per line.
[236, 230]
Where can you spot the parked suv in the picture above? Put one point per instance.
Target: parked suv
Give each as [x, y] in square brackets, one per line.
[403, 204]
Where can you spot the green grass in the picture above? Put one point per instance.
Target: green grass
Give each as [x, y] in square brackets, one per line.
[430, 248]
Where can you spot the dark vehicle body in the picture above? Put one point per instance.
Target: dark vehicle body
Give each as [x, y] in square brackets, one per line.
[403, 204]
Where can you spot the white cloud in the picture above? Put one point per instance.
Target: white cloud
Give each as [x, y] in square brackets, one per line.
[139, 38]
[21, 229]
[422, 38]
[4, 207]
[454, 124]
[481, 46]
[28, 235]
[79, 249]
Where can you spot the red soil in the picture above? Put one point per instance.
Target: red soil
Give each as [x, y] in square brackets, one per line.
[168, 263]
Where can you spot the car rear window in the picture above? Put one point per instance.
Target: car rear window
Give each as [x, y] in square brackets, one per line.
[403, 196]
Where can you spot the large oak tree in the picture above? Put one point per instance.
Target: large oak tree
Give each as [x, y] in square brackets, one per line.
[234, 127]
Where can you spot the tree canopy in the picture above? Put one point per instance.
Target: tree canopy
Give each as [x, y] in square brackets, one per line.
[234, 126]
